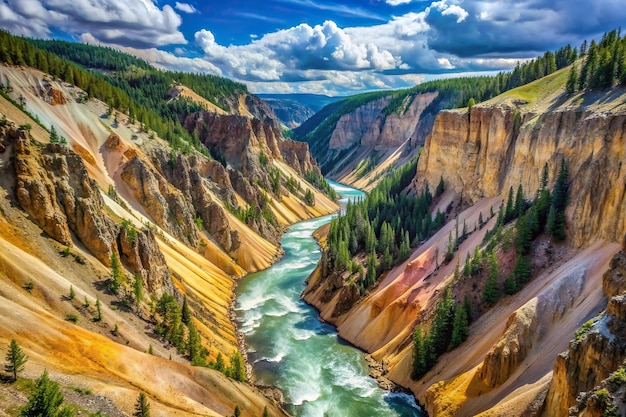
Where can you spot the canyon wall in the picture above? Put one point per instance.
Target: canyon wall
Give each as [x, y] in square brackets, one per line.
[484, 152]
[366, 141]
[597, 352]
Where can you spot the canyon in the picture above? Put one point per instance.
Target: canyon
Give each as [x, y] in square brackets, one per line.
[106, 194]
[94, 204]
[506, 365]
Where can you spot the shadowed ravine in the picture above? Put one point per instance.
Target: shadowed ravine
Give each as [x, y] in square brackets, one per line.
[319, 374]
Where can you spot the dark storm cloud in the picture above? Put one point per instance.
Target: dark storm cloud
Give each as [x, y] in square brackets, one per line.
[522, 28]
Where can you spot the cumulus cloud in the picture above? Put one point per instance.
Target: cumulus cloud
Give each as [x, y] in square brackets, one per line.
[449, 10]
[441, 37]
[523, 29]
[138, 23]
[286, 53]
[185, 7]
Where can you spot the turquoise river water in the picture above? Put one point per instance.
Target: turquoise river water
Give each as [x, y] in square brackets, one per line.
[320, 374]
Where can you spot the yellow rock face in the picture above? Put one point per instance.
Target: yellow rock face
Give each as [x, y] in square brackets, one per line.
[484, 152]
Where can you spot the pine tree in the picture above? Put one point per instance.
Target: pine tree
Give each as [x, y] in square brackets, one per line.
[449, 250]
[372, 265]
[237, 411]
[237, 371]
[510, 209]
[46, 400]
[15, 359]
[54, 136]
[219, 363]
[467, 268]
[142, 407]
[460, 329]
[197, 352]
[572, 80]
[522, 270]
[510, 286]
[98, 310]
[441, 329]
[491, 291]
[556, 216]
[524, 238]
[440, 187]
[405, 248]
[138, 289]
[186, 313]
[265, 412]
[117, 274]
[72, 293]
[419, 355]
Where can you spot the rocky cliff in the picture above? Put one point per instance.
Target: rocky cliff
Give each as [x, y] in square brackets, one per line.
[53, 186]
[598, 352]
[367, 140]
[484, 152]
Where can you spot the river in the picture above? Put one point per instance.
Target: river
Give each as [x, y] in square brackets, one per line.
[320, 374]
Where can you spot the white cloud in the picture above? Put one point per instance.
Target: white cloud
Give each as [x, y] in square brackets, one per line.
[445, 63]
[288, 52]
[185, 7]
[135, 22]
[397, 2]
[450, 10]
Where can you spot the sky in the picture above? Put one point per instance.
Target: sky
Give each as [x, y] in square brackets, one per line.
[321, 46]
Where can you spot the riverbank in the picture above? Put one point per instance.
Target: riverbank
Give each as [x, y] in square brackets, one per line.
[377, 370]
[288, 347]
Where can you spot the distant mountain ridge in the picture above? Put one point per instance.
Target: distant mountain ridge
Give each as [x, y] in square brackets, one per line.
[294, 109]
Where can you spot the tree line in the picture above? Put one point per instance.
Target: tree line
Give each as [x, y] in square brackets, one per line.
[603, 64]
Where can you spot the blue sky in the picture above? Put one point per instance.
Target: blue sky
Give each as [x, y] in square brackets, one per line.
[321, 46]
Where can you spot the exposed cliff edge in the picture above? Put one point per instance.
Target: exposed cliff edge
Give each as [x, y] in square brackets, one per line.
[589, 377]
[505, 366]
[484, 152]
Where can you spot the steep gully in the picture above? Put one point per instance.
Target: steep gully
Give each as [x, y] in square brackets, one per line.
[319, 373]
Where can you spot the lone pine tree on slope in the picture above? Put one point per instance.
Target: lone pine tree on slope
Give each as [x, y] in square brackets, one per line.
[15, 358]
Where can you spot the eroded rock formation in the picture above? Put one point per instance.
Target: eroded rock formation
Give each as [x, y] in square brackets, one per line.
[53, 186]
[484, 152]
[166, 205]
[596, 353]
